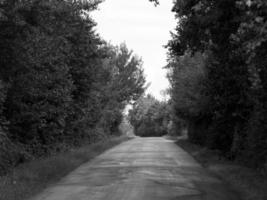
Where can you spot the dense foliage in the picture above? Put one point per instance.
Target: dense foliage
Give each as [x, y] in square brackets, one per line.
[217, 69]
[150, 117]
[61, 84]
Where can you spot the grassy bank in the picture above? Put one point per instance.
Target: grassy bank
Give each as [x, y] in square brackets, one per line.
[31, 178]
[249, 183]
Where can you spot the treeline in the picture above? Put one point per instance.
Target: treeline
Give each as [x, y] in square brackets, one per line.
[61, 84]
[150, 117]
[218, 74]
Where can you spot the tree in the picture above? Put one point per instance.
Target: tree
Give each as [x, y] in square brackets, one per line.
[231, 34]
[149, 117]
[126, 84]
[40, 87]
[252, 42]
[187, 75]
[61, 85]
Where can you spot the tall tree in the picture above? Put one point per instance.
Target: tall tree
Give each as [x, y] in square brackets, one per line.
[126, 83]
[187, 75]
[231, 33]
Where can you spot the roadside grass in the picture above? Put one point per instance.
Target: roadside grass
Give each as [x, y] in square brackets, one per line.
[30, 178]
[249, 183]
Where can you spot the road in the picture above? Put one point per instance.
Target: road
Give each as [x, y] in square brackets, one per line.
[140, 169]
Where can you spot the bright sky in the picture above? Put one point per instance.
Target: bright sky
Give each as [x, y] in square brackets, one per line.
[144, 28]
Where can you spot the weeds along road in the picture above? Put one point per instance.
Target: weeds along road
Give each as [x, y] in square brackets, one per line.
[140, 169]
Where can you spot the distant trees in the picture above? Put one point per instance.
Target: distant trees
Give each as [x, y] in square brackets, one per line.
[224, 94]
[150, 117]
[61, 84]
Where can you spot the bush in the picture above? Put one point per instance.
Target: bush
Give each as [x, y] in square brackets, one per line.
[10, 154]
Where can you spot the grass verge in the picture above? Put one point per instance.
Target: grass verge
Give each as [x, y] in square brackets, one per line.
[31, 178]
[249, 183]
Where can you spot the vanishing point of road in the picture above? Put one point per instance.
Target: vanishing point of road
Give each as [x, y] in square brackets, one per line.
[140, 169]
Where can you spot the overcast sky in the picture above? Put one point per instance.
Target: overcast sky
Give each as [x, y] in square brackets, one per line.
[144, 28]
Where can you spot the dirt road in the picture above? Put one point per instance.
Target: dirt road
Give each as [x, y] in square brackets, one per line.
[140, 169]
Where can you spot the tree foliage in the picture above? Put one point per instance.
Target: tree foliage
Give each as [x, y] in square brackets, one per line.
[232, 97]
[61, 84]
[187, 76]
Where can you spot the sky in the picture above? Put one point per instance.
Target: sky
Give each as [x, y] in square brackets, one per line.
[145, 29]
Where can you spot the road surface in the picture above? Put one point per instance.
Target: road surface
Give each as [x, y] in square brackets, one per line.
[140, 169]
